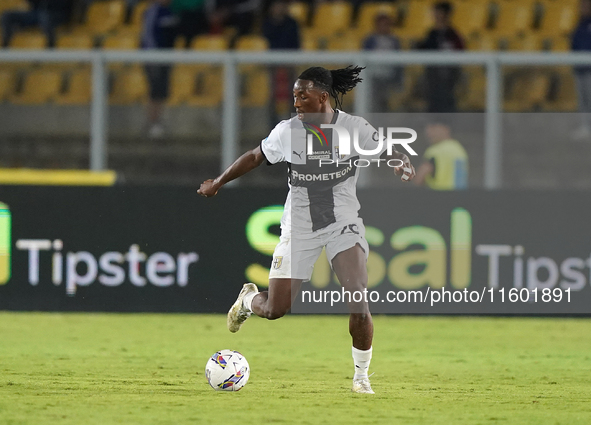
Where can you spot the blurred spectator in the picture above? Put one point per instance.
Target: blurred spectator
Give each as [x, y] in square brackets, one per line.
[442, 80]
[581, 41]
[280, 29]
[158, 32]
[445, 163]
[282, 32]
[45, 14]
[385, 78]
[239, 14]
[193, 19]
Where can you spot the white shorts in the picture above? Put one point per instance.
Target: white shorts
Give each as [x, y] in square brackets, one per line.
[294, 256]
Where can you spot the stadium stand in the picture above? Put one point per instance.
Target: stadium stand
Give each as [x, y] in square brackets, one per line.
[7, 83]
[39, 86]
[472, 89]
[516, 25]
[74, 41]
[30, 39]
[417, 18]
[137, 16]
[559, 18]
[103, 17]
[78, 89]
[300, 11]
[255, 80]
[367, 14]
[332, 18]
[129, 86]
[526, 91]
[470, 17]
[514, 18]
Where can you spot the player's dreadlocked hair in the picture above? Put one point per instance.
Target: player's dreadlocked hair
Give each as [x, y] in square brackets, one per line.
[336, 82]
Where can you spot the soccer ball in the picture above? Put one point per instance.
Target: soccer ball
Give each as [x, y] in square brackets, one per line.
[227, 370]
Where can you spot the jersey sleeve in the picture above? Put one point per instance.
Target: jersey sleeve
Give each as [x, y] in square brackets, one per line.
[272, 147]
[369, 139]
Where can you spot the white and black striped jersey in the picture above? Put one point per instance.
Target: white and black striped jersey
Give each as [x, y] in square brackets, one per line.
[321, 193]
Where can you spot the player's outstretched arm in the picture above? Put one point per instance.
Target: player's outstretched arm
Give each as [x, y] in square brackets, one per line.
[247, 162]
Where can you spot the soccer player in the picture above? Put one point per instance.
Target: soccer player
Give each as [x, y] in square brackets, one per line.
[319, 213]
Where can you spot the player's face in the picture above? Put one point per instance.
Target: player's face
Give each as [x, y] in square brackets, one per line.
[307, 99]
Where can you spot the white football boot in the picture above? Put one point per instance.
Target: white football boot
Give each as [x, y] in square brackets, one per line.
[238, 314]
[362, 386]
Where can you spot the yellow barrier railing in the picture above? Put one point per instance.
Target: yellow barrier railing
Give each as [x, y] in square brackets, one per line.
[26, 176]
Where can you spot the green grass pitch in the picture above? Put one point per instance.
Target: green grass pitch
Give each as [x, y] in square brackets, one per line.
[148, 369]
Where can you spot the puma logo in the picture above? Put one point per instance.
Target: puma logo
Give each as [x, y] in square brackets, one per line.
[299, 154]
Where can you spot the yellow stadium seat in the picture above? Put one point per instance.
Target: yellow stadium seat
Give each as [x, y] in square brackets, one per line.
[28, 40]
[483, 42]
[408, 98]
[210, 42]
[125, 41]
[6, 5]
[103, 17]
[255, 89]
[79, 89]
[180, 42]
[530, 42]
[74, 41]
[563, 95]
[182, 84]
[418, 19]
[559, 18]
[527, 92]
[130, 86]
[332, 18]
[252, 42]
[368, 13]
[195, 87]
[470, 17]
[40, 86]
[121, 41]
[308, 39]
[472, 89]
[208, 90]
[7, 83]
[514, 18]
[137, 16]
[560, 44]
[347, 42]
[77, 41]
[299, 11]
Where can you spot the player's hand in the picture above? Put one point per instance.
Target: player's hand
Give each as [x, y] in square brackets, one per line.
[407, 171]
[208, 188]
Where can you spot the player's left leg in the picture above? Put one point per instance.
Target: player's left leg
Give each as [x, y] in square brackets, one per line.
[351, 270]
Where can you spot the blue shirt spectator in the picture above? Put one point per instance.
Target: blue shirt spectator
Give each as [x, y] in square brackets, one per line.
[280, 29]
[159, 27]
[158, 32]
[581, 38]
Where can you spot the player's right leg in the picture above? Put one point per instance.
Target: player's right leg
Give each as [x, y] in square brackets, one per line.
[288, 270]
[277, 301]
[271, 304]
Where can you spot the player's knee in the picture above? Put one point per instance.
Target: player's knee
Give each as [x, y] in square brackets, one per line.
[274, 313]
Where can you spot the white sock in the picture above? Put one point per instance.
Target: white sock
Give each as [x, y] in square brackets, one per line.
[361, 358]
[247, 300]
